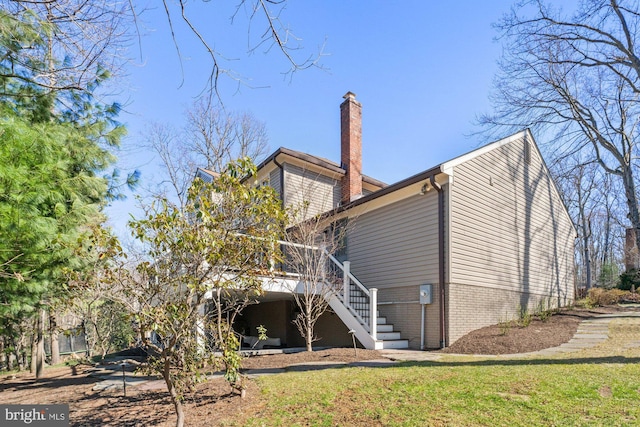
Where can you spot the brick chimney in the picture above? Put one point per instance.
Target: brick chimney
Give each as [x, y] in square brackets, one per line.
[351, 147]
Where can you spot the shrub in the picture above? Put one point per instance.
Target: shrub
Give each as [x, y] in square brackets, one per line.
[505, 326]
[524, 317]
[581, 293]
[629, 280]
[544, 315]
[600, 296]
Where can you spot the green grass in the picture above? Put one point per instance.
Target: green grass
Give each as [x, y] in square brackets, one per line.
[588, 388]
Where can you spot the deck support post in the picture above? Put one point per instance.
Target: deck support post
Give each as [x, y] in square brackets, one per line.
[346, 283]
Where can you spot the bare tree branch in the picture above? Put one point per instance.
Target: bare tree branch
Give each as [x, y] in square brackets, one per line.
[576, 80]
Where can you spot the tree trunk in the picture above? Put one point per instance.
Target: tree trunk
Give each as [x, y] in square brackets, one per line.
[34, 347]
[53, 333]
[42, 316]
[20, 353]
[308, 340]
[632, 201]
[177, 404]
[587, 258]
[4, 356]
[88, 342]
[309, 327]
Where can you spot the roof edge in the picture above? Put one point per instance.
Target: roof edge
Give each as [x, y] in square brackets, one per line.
[447, 167]
[304, 157]
[390, 189]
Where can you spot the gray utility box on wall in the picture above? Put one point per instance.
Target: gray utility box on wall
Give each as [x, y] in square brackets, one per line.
[426, 294]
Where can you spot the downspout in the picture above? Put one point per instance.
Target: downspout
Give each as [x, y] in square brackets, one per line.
[441, 266]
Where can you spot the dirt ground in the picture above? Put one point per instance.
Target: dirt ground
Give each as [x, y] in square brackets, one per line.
[214, 400]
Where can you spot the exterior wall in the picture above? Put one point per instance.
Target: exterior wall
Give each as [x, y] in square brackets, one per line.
[277, 317]
[395, 248]
[273, 315]
[301, 186]
[511, 240]
[331, 331]
[274, 181]
[472, 307]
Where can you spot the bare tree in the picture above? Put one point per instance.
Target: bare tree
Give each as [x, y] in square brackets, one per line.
[211, 138]
[592, 197]
[216, 137]
[575, 78]
[578, 181]
[314, 240]
[82, 39]
[266, 31]
[178, 165]
[309, 251]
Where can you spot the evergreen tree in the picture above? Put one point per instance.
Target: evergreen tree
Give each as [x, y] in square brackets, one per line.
[56, 142]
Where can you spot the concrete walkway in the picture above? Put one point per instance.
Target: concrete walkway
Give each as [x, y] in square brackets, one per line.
[590, 333]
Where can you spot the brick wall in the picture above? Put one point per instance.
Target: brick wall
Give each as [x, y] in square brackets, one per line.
[473, 307]
[405, 314]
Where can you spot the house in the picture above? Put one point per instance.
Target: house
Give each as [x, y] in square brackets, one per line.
[462, 245]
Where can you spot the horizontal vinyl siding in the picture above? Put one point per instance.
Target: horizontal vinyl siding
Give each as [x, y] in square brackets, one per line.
[396, 245]
[395, 249]
[509, 232]
[274, 181]
[303, 186]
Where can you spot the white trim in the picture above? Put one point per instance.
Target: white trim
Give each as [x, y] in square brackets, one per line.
[447, 167]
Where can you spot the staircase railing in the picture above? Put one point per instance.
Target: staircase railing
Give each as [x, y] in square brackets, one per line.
[361, 302]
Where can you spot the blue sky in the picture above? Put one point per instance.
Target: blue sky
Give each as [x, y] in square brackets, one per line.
[421, 69]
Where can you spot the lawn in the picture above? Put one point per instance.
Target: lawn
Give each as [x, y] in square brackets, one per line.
[595, 387]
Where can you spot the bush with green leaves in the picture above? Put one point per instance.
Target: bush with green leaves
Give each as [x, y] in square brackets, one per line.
[206, 261]
[629, 280]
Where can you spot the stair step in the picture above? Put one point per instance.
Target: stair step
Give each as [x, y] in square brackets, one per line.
[381, 321]
[388, 336]
[384, 328]
[395, 344]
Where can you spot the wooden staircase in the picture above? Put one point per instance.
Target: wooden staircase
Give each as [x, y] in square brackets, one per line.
[353, 306]
[389, 337]
[356, 305]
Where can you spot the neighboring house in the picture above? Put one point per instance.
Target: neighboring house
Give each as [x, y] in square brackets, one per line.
[488, 231]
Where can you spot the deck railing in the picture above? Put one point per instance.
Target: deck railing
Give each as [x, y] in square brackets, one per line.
[361, 302]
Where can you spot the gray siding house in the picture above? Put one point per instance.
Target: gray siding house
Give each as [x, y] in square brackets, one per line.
[486, 232]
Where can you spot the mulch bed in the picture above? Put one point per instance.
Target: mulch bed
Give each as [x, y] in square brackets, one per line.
[538, 335]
